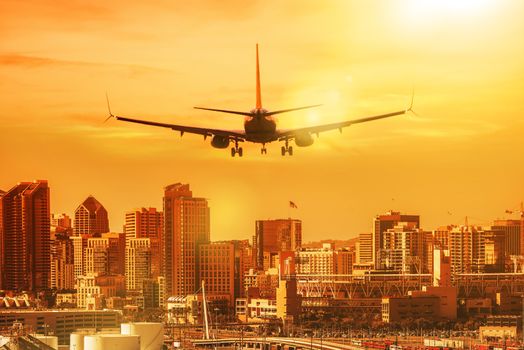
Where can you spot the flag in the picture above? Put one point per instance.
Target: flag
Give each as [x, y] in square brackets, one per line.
[292, 205]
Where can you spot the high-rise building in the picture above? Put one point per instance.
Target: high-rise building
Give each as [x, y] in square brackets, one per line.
[144, 223]
[186, 227]
[405, 249]
[320, 261]
[344, 261]
[62, 262]
[441, 236]
[79, 246]
[364, 248]
[61, 224]
[138, 262]
[2, 193]
[105, 255]
[25, 234]
[91, 218]
[243, 263]
[441, 267]
[382, 223]
[217, 269]
[148, 223]
[96, 256]
[511, 229]
[476, 250]
[275, 236]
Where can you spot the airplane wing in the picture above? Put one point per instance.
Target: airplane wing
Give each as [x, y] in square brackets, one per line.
[231, 134]
[292, 133]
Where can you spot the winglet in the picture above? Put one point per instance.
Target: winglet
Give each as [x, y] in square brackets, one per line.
[410, 108]
[108, 108]
[259, 95]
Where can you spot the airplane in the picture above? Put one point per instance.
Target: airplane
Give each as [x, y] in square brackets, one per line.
[259, 126]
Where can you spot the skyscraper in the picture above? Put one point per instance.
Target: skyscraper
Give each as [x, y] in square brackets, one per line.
[138, 262]
[62, 262]
[25, 231]
[275, 236]
[217, 268]
[511, 229]
[476, 250]
[79, 246]
[91, 218]
[105, 255]
[382, 223]
[2, 193]
[364, 248]
[405, 248]
[186, 227]
[147, 223]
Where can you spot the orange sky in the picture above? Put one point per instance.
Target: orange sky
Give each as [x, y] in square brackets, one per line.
[463, 155]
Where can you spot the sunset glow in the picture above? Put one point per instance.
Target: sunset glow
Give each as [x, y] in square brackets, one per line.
[461, 154]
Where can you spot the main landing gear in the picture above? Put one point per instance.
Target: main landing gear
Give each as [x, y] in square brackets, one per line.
[287, 148]
[263, 150]
[236, 150]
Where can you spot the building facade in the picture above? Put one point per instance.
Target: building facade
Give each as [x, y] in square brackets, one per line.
[90, 218]
[147, 223]
[382, 223]
[186, 227]
[275, 236]
[217, 269]
[138, 262]
[25, 237]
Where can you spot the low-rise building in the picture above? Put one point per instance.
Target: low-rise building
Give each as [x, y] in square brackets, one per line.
[261, 309]
[61, 322]
[396, 309]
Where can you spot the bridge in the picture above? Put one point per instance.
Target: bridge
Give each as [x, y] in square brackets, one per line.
[273, 343]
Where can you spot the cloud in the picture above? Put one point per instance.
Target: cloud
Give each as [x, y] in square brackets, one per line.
[448, 128]
[25, 61]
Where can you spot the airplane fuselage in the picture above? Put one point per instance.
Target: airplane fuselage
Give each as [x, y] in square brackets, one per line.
[260, 127]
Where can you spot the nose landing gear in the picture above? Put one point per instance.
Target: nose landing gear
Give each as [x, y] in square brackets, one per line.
[263, 150]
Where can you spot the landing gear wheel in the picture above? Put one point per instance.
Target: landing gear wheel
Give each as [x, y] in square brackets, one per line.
[283, 150]
[233, 152]
[290, 150]
[240, 151]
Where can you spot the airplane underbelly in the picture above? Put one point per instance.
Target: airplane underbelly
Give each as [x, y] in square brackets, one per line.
[260, 131]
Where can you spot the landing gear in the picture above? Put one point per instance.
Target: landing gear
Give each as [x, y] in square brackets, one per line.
[263, 150]
[236, 150]
[286, 148]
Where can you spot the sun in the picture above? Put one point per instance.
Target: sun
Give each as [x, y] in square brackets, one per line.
[424, 9]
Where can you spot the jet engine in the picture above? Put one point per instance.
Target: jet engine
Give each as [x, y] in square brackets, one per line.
[220, 141]
[304, 140]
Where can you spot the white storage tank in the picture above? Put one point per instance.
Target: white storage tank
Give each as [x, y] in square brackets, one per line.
[151, 334]
[76, 339]
[50, 340]
[111, 342]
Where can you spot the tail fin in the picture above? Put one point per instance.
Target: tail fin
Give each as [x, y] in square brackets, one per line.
[259, 96]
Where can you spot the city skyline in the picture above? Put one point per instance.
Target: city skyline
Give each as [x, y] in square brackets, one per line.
[512, 215]
[459, 157]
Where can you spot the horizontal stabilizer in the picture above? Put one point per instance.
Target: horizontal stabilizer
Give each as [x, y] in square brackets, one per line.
[224, 111]
[290, 110]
